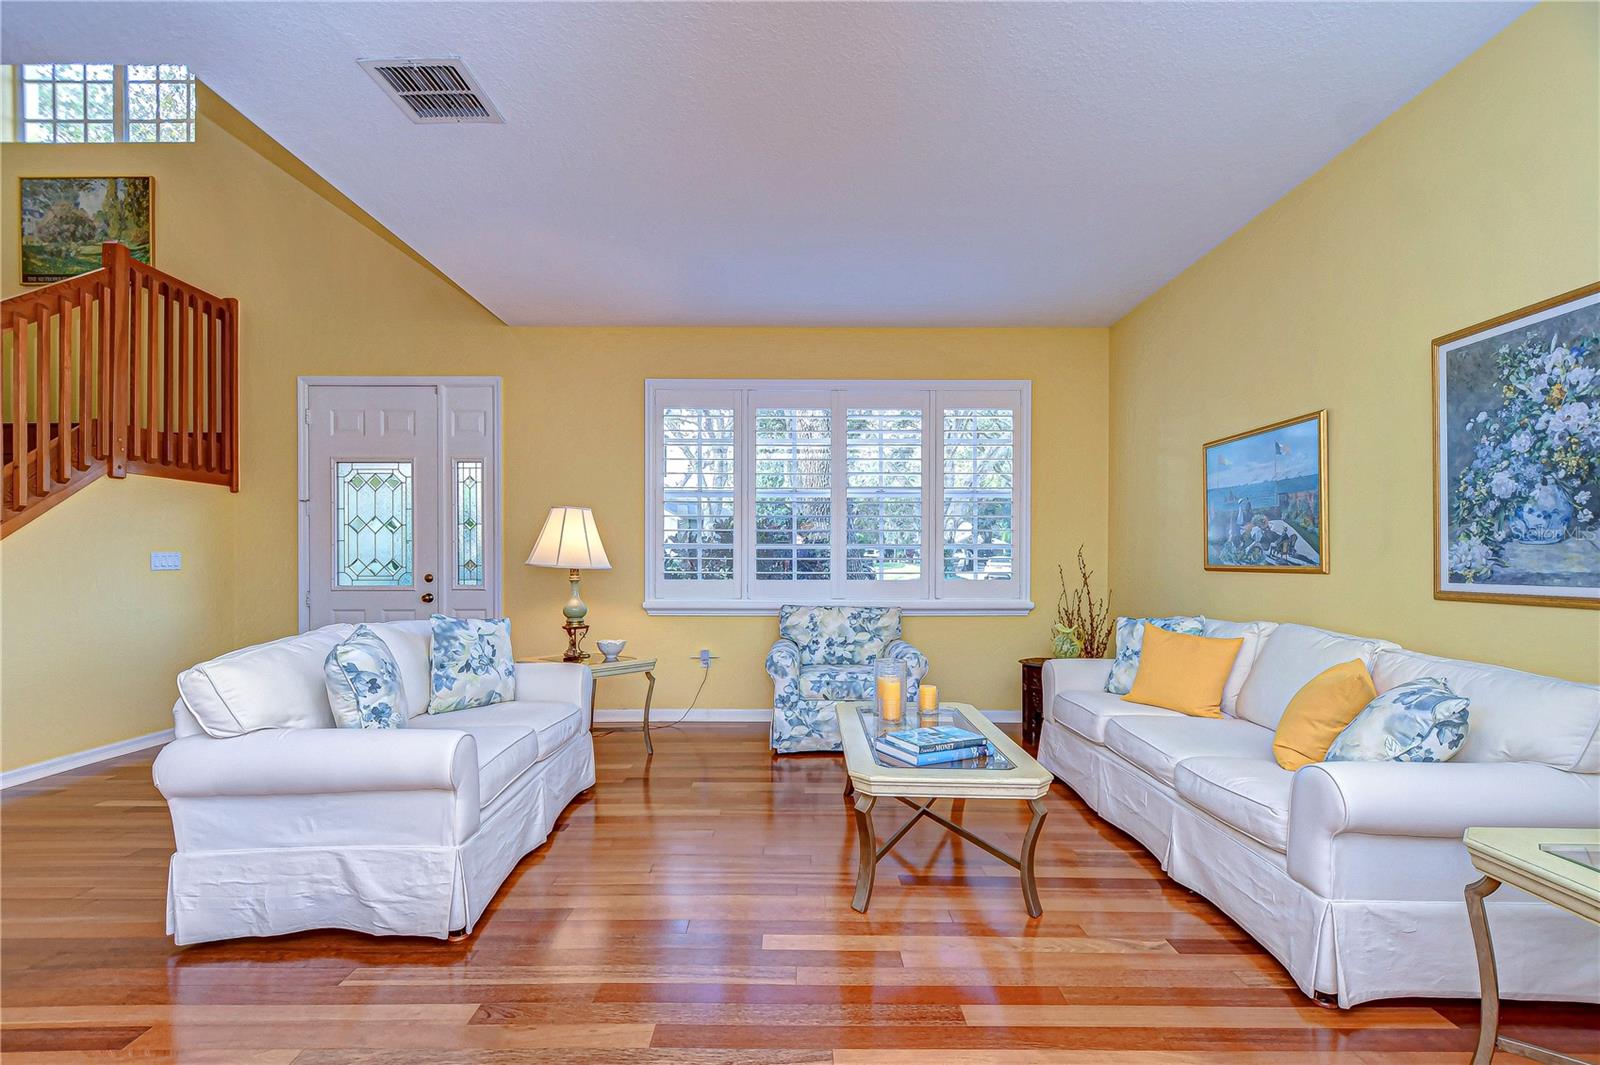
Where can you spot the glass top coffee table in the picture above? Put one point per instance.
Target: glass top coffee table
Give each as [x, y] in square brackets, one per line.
[1005, 772]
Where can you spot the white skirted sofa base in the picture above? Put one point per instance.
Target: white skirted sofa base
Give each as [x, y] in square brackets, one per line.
[1349, 873]
[301, 825]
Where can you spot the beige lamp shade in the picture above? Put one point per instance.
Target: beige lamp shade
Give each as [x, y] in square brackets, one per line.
[569, 540]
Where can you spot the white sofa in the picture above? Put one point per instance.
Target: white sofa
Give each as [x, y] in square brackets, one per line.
[286, 823]
[1349, 873]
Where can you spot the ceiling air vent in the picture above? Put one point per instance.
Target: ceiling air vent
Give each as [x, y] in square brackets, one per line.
[433, 90]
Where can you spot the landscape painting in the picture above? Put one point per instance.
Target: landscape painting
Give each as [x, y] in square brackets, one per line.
[65, 220]
[1266, 498]
[1517, 456]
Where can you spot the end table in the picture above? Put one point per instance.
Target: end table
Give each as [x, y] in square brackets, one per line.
[617, 667]
[1032, 701]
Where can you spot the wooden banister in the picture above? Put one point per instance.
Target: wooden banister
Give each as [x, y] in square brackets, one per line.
[125, 369]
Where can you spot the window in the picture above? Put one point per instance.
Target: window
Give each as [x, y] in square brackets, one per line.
[769, 492]
[99, 103]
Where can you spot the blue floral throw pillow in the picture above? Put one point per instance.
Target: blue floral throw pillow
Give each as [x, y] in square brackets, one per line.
[1130, 641]
[1418, 721]
[363, 682]
[471, 663]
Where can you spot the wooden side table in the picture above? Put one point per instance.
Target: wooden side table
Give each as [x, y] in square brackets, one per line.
[620, 666]
[1512, 856]
[1032, 701]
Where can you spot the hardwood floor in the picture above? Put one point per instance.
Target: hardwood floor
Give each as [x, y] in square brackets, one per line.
[694, 907]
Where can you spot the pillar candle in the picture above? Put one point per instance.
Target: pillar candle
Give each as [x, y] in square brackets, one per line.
[927, 698]
[890, 698]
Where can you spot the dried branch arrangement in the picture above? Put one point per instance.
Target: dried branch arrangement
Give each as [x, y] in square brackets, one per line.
[1083, 623]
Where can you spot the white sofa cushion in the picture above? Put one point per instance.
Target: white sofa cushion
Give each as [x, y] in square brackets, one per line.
[552, 723]
[1089, 712]
[1515, 716]
[1158, 744]
[269, 685]
[1254, 634]
[1291, 656]
[409, 642]
[1249, 794]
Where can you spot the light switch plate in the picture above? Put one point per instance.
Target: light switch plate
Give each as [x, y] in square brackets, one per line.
[166, 560]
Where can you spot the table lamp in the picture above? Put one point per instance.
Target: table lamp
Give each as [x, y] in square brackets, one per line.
[570, 541]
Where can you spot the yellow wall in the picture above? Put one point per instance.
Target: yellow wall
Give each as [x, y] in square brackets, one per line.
[1480, 196]
[322, 292]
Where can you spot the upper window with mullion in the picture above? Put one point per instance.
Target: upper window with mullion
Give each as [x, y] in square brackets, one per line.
[793, 494]
[102, 103]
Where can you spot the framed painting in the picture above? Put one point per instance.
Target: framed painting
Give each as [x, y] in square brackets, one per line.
[66, 219]
[1516, 456]
[1266, 498]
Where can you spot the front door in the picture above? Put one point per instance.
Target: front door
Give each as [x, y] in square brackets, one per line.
[399, 501]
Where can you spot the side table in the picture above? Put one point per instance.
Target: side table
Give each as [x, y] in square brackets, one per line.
[1032, 701]
[1513, 856]
[620, 666]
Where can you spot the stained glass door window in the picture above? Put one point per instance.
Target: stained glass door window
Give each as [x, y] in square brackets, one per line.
[373, 524]
[469, 523]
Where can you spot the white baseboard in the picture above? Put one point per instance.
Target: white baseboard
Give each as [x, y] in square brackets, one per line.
[28, 773]
[664, 716]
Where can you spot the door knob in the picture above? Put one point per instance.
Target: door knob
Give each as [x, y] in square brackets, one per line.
[427, 597]
[427, 578]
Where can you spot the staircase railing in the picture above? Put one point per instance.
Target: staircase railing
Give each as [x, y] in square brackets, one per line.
[125, 369]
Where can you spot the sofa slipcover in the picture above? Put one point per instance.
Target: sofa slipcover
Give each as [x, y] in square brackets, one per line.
[1349, 873]
[285, 823]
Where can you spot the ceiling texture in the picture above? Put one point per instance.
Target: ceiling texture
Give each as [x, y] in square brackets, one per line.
[805, 163]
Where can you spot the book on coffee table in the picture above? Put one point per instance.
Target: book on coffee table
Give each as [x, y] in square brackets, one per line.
[920, 741]
[955, 754]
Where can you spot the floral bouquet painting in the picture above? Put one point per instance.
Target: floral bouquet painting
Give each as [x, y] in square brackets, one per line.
[1517, 456]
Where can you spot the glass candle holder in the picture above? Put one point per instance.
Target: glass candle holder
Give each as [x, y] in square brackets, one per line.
[890, 699]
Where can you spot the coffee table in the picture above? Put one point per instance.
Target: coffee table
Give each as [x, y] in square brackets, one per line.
[1007, 773]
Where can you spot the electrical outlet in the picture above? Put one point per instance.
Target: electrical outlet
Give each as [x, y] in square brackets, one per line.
[166, 560]
[705, 659]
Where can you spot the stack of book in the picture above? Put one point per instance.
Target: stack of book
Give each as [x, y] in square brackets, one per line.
[932, 745]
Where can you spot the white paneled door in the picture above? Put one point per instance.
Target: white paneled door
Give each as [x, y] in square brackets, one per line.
[399, 499]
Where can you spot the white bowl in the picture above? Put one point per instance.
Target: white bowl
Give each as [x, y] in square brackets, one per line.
[611, 648]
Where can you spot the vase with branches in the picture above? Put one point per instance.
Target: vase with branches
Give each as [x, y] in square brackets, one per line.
[1083, 622]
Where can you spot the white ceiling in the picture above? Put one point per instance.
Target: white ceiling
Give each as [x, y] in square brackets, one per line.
[806, 163]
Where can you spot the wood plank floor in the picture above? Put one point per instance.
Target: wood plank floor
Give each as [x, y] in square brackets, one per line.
[693, 907]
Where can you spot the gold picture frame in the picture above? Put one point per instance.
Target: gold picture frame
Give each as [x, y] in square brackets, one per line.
[81, 248]
[1538, 325]
[1265, 518]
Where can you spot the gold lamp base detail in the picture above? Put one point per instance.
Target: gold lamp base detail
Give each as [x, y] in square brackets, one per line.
[575, 631]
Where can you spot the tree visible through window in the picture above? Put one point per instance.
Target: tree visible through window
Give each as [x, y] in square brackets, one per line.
[102, 103]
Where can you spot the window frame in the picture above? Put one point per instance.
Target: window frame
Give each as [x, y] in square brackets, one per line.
[120, 122]
[930, 594]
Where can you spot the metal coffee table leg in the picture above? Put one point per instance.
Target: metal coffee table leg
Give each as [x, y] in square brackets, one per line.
[1030, 887]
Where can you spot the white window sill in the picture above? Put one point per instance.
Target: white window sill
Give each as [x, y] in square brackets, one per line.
[921, 608]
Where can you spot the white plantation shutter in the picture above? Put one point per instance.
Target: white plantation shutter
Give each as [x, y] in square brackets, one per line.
[884, 494]
[793, 493]
[697, 495]
[762, 493]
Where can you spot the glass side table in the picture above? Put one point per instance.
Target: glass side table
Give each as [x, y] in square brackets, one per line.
[620, 666]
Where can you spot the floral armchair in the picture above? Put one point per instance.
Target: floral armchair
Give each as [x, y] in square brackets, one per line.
[826, 655]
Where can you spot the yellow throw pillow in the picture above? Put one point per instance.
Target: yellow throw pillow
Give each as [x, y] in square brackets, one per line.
[1320, 711]
[1184, 673]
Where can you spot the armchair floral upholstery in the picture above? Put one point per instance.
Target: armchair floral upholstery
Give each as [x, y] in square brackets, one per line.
[825, 656]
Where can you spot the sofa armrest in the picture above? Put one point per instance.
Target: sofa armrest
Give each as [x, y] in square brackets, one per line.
[322, 761]
[1073, 674]
[783, 659]
[1425, 800]
[558, 682]
[916, 662]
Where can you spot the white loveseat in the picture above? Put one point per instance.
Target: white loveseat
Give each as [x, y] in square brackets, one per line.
[286, 823]
[1349, 873]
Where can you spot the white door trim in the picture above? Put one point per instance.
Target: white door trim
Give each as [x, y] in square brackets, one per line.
[302, 402]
